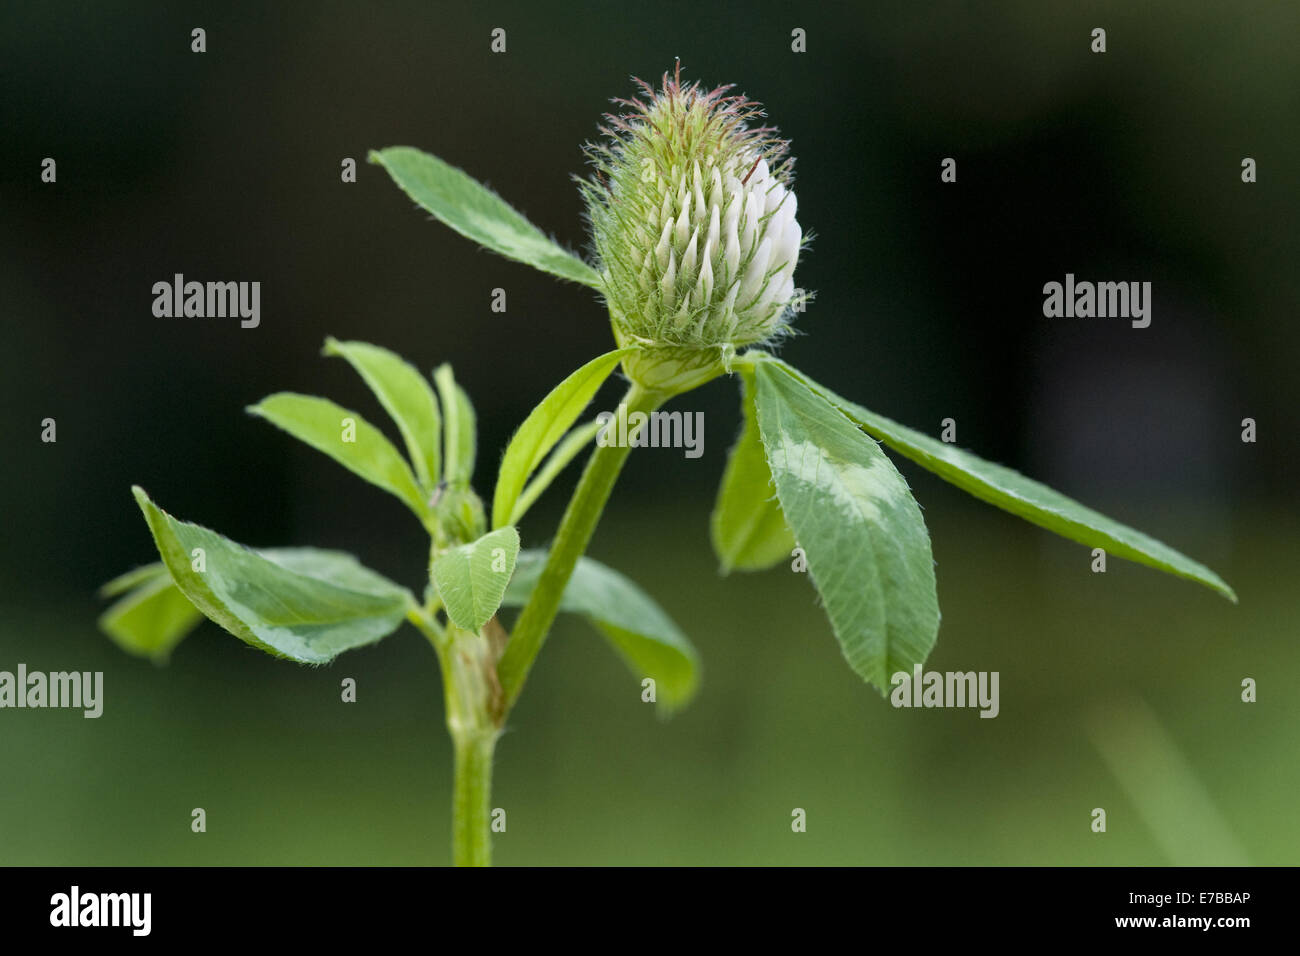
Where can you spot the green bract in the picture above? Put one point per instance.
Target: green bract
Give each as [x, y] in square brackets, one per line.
[693, 221]
[471, 578]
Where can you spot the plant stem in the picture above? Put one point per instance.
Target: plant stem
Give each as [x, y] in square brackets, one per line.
[472, 695]
[571, 540]
[471, 799]
[427, 625]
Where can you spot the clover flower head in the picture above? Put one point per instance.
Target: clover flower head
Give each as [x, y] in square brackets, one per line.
[693, 219]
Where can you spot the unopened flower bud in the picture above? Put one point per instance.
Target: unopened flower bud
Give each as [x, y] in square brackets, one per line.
[693, 219]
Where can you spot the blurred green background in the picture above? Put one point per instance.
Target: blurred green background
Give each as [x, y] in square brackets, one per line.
[1118, 691]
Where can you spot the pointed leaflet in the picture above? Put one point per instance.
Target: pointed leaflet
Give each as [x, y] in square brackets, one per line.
[407, 397]
[472, 578]
[851, 511]
[1024, 497]
[311, 608]
[328, 427]
[748, 529]
[643, 635]
[544, 426]
[564, 453]
[459, 428]
[153, 616]
[477, 213]
[334, 567]
[133, 580]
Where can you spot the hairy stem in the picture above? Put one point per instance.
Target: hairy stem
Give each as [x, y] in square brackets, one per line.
[471, 808]
[571, 540]
[473, 704]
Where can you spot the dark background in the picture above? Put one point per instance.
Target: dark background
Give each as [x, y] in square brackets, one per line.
[1119, 690]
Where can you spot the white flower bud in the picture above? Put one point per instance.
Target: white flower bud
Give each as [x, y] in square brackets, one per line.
[704, 254]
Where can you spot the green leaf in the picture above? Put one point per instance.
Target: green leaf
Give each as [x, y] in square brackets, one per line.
[1024, 497]
[459, 428]
[303, 604]
[324, 425]
[638, 629]
[543, 428]
[472, 578]
[155, 616]
[565, 452]
[477, 213]
[851, 511]
[152, 618]
[145, 574]
[333, 567]
[748, 527]
[407, 397]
